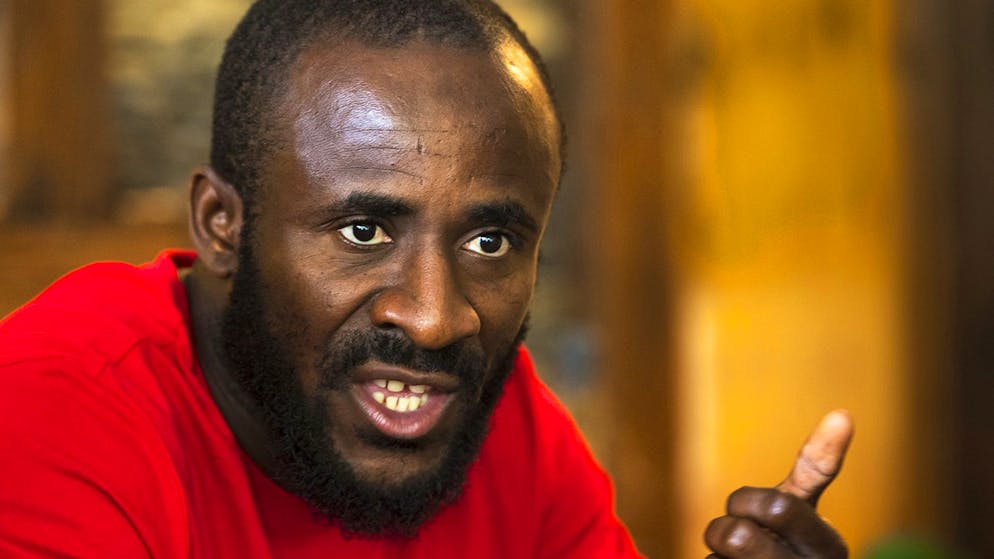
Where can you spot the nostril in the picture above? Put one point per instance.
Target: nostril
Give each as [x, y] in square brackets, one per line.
[391, 309]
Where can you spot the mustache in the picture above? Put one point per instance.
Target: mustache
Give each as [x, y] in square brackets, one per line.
[354, 348]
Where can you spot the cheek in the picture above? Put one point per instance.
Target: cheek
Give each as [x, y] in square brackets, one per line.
[502, 308]
[315, 299]
[307, 296]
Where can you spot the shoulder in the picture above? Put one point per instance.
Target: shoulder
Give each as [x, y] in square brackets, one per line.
[96, 313]
[85, 459]
[84, 471]
[106, 341]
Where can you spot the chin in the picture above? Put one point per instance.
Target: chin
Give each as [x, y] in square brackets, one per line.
[396, 467]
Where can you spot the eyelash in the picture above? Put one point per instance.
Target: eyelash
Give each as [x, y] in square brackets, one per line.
[379, 230]
[507, 243]
[511, 238]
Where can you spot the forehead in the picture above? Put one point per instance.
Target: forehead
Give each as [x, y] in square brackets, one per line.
[347, 97]
[420, 73]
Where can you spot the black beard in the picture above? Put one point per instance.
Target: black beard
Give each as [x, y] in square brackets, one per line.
[306, 462]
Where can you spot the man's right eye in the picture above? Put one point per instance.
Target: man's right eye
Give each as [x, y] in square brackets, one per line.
[365, 234]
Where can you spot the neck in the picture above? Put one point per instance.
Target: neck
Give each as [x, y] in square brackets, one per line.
[207, 297]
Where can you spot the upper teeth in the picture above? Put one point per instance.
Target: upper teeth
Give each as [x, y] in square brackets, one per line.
[401, 403]
[398, 386]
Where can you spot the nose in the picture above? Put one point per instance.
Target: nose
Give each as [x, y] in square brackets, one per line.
[427, 303]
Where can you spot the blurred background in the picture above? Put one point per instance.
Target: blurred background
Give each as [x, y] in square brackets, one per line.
[772, 209]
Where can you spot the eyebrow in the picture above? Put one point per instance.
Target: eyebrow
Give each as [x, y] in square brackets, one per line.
[503, 214]
[373, 204]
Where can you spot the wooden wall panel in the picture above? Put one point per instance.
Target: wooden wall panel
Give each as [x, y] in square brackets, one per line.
[59, 111]
[620, 143]
[973, 231]
[5, 105]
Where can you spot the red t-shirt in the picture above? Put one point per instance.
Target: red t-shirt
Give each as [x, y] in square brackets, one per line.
[111, 446]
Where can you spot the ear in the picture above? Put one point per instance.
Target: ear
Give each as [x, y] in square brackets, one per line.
[215, 219]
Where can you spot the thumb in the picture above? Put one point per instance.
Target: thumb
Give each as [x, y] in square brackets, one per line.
[820, 458]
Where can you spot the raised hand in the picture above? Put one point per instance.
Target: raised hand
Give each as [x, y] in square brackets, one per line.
[781, 522]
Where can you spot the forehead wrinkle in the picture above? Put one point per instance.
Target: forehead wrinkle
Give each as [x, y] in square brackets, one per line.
[379, 169]
[475, 176]
[396, 140]
[395, 149]
[393, 129]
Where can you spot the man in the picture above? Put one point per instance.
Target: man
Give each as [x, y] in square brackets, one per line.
[337, 371]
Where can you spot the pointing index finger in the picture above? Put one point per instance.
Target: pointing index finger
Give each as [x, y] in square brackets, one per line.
[820, 458]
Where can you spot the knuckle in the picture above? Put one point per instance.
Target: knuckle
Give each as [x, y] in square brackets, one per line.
[740, 494]
[781, 507]
[739, 537]
[711, 533]
[731, 536]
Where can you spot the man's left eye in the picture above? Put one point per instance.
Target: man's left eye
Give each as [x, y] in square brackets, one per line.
[364, 234]
[493, 245]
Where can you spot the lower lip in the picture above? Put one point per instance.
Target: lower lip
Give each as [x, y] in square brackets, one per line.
[401, 425]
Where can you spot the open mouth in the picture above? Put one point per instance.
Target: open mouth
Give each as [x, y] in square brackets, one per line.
[401, 404]
[399, 397]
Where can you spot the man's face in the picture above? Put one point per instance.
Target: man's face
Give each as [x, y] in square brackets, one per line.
[387, 267]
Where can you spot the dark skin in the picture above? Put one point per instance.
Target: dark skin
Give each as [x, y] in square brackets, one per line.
[411, 193]
[435, 173]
